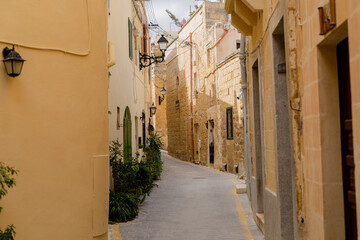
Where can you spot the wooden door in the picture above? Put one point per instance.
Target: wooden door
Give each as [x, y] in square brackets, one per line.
[127, 135]
[347, 140]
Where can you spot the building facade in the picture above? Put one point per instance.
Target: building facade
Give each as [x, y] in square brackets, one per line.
[158, 83]
[53, 118]
[203, 83]
[302, 63]
[129, 86]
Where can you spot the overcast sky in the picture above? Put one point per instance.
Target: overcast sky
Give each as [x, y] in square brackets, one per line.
[180, 8]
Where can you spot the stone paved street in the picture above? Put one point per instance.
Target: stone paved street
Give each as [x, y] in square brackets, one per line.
[192, 203]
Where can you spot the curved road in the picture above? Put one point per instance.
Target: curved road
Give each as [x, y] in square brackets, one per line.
[191, 203]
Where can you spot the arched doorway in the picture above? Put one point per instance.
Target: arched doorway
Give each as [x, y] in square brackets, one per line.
[127, 135]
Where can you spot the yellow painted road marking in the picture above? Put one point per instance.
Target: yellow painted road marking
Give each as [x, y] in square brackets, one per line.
[116, 232]
[241, 214]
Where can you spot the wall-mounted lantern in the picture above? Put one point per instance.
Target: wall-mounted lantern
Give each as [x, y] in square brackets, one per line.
[152, 110]
[13, 62]
[146, 60]
[142, 117]
[211, 122]
[162, 92]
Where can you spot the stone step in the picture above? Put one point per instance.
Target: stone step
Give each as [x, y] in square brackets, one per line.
[260, 221]
[241, 188]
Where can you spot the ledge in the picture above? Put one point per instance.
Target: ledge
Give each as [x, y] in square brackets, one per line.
[244, 14]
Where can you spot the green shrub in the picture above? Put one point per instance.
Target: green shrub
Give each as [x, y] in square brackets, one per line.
[133, 178]
[7, 181]
[153, 155]
[123, 207]
[8, 233]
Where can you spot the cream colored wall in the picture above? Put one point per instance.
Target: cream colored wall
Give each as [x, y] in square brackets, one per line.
[128, 87]
[53, 118]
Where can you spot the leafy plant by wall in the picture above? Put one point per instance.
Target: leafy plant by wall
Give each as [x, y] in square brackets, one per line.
[7, 181]
[133, 178]
[123, 207]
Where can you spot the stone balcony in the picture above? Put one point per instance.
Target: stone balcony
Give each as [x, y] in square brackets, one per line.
[244, 14]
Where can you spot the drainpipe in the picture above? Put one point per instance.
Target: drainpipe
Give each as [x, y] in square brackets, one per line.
[191, 98]
[244, 88]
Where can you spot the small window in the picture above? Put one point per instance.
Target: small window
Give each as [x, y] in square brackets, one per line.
[208, 57]
[229, 123]
[136, 49]
[196, 83]
[118, 119]
[130, 32]
[177, 87]
[238, 44]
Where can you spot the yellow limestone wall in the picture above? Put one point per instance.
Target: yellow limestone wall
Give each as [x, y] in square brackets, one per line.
[261, 36]
[53, 119]
[323, 205]
[159, 81]
[216, 79]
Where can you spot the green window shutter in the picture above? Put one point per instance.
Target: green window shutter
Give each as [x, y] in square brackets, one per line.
[127, 135]
[130, 39]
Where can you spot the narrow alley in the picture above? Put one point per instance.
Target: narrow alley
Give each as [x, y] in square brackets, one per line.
[191, 202]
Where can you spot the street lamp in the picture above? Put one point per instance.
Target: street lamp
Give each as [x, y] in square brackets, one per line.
[162, 92]
[163, 42]
[146, 60]
[152, 110]
[13, 62]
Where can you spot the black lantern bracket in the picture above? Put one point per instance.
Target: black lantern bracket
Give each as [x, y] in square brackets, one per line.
[146, 60]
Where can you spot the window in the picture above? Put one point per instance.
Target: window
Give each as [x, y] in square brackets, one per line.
[238, 44]
[136, 49]
[196, 84]
[118, 118]
[177, 87]
[229, 123]
[208, 57]
[130, 31]
[144, 42]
